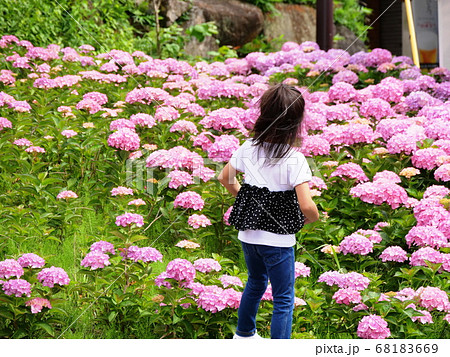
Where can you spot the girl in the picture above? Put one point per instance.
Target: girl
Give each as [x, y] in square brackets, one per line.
[271, 206]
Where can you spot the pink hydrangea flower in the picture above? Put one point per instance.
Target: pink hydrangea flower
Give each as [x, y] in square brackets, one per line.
[352, 280]
[121, 191]
[9, 268]
[426, 236]
[95, 260]
[53, 275]
[207, 265]
[180, 270]
[180, 178]
[137, 202]
[189, 199]
[427, 158]
[356, 244]
[436, 191]
[443, 173]
[347, 296]
[22, 142]
[31, 260]
[122, 124]
[372, 235]
[127, 219]
[228, 280]
[419, 257]
[97, 97]
[35, 149]
[373, 327]
[17, 287]
[226, 215]
[5, 123]
[377, 108]
[393, 254]
[342, 92]
[197, 221]
[379, 192]
[142, 119]
[145, 254]
[68, 133]
[223, 147]
[212, 299]
[37, 304]
[432, 298]
[388, 176]
[425, 318]
[124, 139]
[103, 247]
[65, 195]
[301, 270]
[187, 244]
[184, 126]
[380, 225]
[204, 173]
[350, 170]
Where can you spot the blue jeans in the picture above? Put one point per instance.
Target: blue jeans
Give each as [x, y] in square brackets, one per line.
[278, 265]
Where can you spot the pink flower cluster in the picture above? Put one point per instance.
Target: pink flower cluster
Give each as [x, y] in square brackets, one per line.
[145, 254]
[124, 139]
[180, 178]
[207, 265]
[426, 236]
[394, 254]
[373, 327]
[433, 298]
[223, 147]
[347, 296]
[53, 275]
[37, 304]
[197, 221]
[16, 287]
[9, 268]
[379, 192]
[228, 280]
[356, 244]
[352, 280]
[189, 199]
[127, 219]
[301, 270]
[214, 299]
[350, 170]
[121, 191]
[65, 195]
[31, 260]
[180, 270]
[95, 260]
[103, 247]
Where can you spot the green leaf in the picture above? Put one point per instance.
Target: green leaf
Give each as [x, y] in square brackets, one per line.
[46, 327]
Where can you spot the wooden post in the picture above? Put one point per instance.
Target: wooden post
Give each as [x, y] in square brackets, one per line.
[324, 24]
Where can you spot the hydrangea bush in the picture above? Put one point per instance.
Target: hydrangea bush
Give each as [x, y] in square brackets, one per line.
[109, 166]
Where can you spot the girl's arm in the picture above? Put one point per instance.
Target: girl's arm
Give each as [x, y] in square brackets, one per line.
[306, 203]
[228, 178]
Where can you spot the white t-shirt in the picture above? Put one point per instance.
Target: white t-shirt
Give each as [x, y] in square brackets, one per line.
[287, 173]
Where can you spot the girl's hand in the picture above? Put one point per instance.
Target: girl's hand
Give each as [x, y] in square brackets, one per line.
[307, 205]
[228, 178]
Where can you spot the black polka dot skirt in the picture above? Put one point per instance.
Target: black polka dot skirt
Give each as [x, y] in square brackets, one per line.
[258, 208]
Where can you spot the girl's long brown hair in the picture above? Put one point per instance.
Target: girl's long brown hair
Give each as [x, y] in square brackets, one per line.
[278, 125]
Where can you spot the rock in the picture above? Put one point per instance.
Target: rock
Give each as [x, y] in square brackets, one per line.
[237, 22]
[171, 10]
[193, 47]
[350, 42]
[295, 23]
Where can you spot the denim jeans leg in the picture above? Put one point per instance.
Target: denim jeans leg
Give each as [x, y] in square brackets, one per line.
[282, 279]
[254, 290]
